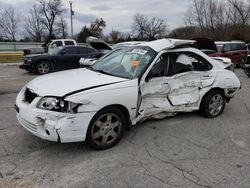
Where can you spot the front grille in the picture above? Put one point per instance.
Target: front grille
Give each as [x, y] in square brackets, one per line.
[29, 126]
[29, 96]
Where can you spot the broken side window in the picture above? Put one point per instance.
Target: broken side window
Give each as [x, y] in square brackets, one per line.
[160, 68]
[188, 61]
[180, 63]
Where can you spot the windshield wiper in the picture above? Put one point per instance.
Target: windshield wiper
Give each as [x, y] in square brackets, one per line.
[103, 72]
[90, 68]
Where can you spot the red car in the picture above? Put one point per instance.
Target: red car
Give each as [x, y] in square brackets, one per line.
[237, 51]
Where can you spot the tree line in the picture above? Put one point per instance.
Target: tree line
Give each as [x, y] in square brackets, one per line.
[219, 20]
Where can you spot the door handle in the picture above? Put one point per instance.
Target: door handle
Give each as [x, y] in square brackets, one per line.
[165, 84]
[206, 76]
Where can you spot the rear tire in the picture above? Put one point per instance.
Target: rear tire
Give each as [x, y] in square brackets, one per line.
[43, 67]
[213, 104]
[106, 128]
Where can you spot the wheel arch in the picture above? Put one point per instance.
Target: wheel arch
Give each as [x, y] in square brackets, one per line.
[124, 110]
[210, 90]
[46, 60]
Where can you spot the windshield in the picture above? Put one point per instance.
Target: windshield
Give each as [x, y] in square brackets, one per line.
[54, 51]
[127, 63]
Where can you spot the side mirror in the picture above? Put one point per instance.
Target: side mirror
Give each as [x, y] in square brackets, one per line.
[62, 53]
[223, 51]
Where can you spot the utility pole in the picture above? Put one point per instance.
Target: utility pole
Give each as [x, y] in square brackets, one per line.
[71, 18]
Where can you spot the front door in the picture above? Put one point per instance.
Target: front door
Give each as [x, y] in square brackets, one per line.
[67, 59]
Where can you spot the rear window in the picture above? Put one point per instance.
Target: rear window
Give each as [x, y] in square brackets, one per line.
[238, 46]
[227, 47]
[57, 43]
[231, 47]
[69, 43]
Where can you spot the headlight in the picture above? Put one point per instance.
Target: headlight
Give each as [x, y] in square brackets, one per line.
[57, 104]
[28, 60]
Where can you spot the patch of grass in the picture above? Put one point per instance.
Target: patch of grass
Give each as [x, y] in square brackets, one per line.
[11, 57]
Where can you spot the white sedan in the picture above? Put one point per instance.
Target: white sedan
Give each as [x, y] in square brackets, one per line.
[150, 80]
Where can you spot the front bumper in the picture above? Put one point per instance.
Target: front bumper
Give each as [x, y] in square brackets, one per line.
[27, 67]
[52, 126]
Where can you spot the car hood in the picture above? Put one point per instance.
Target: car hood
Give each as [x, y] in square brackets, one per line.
[36, 55]
[98, 44]
[66, 82]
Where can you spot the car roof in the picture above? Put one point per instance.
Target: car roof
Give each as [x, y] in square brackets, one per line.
[162, 44]
[75, 46]
[229, 42]
[63, 40]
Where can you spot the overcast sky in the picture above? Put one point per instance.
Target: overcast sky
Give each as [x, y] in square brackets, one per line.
[117, 13]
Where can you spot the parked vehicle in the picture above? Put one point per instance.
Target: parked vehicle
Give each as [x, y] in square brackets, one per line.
[246, 66]
[60, 58]
[147, 81]
[237, 51]
[49, 45]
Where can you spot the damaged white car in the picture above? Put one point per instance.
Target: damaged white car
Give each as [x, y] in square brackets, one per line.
[150, 80]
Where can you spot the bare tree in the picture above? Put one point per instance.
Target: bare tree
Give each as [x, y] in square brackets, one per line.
[188, 32]
[156, 28]
[9, 24]
[114, 36]
[117, 36]
[211, 17]
[139, 26]
[146, 28]
[51, 11]
[33, 25]
[62, 28]
[96, 27]
[240, 14]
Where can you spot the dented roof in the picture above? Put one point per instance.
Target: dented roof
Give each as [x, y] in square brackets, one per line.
[162, 44]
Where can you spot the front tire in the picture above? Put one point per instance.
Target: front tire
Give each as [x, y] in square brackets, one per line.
[213, 104]
[43, 67]
[106, 128]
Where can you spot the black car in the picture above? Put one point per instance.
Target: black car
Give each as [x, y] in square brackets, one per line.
[60, 58]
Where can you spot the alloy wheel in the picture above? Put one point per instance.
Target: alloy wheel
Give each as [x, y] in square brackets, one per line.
[106, 129]
[43, 68]
[216, 104]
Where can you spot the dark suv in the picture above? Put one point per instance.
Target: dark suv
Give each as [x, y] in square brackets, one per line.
[237, 51]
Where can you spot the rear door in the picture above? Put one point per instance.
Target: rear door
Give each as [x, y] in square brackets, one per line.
[189, 74]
